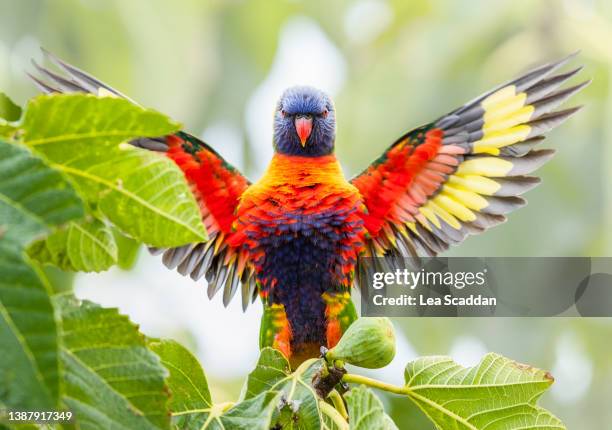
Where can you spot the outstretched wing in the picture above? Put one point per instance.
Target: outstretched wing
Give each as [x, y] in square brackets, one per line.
[463, 173]
[216, 184]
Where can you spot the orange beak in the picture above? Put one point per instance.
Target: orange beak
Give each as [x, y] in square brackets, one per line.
[303, 127]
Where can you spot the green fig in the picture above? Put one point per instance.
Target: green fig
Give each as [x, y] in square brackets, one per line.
[368, 343]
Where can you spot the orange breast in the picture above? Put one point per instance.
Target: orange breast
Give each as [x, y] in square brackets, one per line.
[300, 183]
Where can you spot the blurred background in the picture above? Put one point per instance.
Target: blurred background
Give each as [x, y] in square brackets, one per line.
[218, 66]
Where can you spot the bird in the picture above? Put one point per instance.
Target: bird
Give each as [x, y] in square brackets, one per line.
[297, 237]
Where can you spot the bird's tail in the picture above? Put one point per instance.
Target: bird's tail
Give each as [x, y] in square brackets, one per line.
[276, 330]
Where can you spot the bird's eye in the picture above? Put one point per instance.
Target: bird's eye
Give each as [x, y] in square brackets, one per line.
[283, 113]
[324, 113]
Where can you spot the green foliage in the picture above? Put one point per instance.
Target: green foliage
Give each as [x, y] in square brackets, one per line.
[28, 336]
[6, 130]
[28, 332]
[272, 366]
[252, 414]
[141, 192]
[127, 250]
[8, 109]
[190, 402]
[300, 409]
[111, 379]
[87, 246]
[33, 196]
[366, 411]
[497, 394]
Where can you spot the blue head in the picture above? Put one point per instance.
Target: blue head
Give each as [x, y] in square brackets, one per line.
[304, 123]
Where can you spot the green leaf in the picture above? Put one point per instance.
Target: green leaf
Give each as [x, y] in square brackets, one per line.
[497, 394]
[127, 250]
[86, 246]
[142, 192]
[9, 112]
[33, 199]
[8, 109]
[301, 408]
[54, 121]
[28, 335]
[252, 414]
[111, 380]
[32, 195]
[190, 403]
[6, 130]
[366, 411]
[271, 368]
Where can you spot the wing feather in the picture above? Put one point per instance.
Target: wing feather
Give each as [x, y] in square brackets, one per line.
[462, 173]
[215, 183]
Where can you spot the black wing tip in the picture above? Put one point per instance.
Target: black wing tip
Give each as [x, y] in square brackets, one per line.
[546, 104]
[534, 79]
[567, 58]
[579, 87]
[570, 91]
[34, 63]
[562, 115]
[542, 153]
[556, 64]
[52, 57]
[76, 76]
[41, 85]
[40, 68]
[584, 84]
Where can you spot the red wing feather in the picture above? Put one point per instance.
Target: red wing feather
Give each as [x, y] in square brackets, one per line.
[385, 182]
[217, 185]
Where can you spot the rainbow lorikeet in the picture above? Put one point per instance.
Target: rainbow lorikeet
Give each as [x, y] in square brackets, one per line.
[295, 236]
